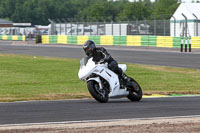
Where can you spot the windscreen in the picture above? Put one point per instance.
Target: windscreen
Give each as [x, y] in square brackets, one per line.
[84, 61]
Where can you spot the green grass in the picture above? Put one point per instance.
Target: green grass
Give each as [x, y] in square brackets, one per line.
[44, 78]
[166, 80]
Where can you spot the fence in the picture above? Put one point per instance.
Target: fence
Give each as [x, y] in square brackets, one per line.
[163, 27]
[144, 27]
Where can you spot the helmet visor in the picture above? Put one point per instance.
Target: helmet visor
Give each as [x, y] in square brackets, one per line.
[88, 51]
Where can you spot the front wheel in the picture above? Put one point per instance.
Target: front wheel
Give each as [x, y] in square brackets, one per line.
[101, 95]
[135, 94]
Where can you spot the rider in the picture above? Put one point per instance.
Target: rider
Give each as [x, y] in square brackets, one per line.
[100, 54]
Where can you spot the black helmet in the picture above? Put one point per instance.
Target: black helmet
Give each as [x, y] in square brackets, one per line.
[89, 47]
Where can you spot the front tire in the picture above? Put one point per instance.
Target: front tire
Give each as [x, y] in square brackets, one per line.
[135, 94]
[101, 95]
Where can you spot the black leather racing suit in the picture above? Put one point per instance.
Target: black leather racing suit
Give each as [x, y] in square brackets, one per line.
[100, 54]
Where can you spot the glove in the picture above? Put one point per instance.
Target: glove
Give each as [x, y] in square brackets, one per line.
[107, 58]
[101, 61]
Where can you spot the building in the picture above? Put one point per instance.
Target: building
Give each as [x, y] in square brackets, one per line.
[5, 23]
[5, 26]
[186, 20]
[188, 1]
[134, 0]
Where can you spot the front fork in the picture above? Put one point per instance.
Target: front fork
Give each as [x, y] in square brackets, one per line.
[97, 79]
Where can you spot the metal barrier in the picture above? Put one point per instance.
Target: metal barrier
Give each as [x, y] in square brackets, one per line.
[155, 41]
[142, 27]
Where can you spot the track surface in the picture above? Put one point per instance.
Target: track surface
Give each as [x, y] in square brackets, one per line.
[77, 110]
[123, 54]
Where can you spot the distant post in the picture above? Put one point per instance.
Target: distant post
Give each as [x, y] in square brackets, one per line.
[182, 39]
[196, 24]
[185, 32]
[190, 49]
[174, 25]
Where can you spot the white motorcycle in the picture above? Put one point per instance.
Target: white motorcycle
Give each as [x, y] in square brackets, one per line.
[103, 83]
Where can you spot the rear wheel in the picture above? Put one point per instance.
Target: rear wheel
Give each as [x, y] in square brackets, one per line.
[135, 93]
[101, 95]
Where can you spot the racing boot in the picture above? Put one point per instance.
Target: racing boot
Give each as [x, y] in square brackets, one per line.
[127, 82]
[123, 80]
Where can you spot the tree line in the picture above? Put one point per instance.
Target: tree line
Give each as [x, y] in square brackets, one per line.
[39, 11]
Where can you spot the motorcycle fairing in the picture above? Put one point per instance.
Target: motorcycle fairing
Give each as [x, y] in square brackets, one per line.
[113, 80]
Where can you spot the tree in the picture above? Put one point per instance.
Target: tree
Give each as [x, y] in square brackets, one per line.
[164, 8]
[39, 11]
[135, 9]
[100, 10]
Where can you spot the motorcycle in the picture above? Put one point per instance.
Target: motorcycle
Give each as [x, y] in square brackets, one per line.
[103, 83]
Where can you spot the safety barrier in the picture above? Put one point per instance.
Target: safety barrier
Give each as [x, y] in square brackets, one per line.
[12, 37]
[195, 42]
[156, 41]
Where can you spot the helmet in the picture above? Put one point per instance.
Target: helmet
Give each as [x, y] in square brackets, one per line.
[89, 47]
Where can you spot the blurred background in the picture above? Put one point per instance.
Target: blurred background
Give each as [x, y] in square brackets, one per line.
[100, 17]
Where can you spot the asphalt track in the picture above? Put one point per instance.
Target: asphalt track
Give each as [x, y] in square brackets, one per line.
[83, 110]
[149, 56]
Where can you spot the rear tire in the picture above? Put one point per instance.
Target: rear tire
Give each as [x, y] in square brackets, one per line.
[135, 95]
[101, 95]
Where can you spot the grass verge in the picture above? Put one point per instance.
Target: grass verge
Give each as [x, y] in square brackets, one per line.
[44, 78]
